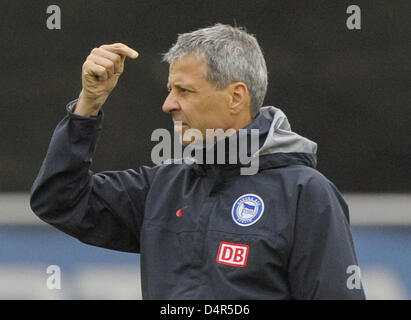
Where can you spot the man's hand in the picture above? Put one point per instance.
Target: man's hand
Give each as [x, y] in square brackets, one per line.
[100, 74]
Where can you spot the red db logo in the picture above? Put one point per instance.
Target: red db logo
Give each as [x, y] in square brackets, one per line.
[233, 254]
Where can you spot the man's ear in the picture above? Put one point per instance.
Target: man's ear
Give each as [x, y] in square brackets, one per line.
[240, 97]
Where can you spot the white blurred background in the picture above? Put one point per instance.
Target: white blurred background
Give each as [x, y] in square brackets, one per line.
[381, 227]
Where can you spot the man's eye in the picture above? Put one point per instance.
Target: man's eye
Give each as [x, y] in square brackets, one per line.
[179, 89]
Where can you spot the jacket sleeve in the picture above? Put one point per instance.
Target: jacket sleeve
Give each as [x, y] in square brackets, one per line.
[322, 255]
[104, 209]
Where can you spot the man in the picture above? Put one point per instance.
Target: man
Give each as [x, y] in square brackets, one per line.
[204, 231]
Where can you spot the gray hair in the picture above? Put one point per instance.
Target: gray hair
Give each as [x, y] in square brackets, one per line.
[231, 54]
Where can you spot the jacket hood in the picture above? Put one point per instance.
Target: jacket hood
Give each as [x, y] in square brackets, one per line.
[277, 134]
[278, 145]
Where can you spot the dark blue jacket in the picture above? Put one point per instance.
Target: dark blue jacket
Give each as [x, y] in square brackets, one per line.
[205, 231]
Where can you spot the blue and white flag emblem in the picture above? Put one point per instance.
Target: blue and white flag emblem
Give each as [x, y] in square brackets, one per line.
[247, 210]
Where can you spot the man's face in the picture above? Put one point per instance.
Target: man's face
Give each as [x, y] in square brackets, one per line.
[193, 100]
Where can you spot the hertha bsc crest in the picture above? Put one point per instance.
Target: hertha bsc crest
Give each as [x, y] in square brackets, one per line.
[247, 210]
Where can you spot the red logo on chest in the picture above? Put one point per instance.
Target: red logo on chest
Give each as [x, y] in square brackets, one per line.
[233, 254]
[179, 212]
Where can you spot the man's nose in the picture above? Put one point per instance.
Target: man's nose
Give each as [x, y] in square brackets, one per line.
[170, 104]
